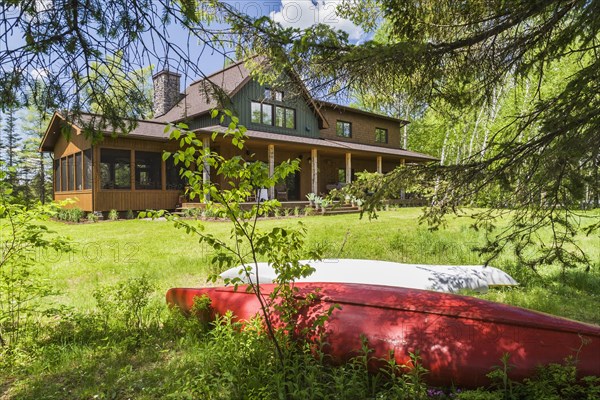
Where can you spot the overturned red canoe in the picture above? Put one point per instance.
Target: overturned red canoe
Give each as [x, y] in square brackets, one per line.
[459, 338]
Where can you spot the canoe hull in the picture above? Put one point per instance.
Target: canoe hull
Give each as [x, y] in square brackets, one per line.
[459, 339]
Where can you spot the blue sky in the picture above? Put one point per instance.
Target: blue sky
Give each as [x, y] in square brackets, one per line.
[290, 13]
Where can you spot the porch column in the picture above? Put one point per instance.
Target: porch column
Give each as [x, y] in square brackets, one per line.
[314, 171]
[379, 165]
[271, 152]
[206, 168]
[402, 192]
[348, 167]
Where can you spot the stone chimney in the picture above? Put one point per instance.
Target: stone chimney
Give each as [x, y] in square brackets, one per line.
[166, 91]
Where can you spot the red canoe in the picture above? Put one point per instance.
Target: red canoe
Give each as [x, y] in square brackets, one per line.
[459, 338]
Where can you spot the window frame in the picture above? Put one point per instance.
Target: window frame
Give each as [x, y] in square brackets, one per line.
[113, 171]
[285, 120]
[378, 131]
[156, 184]
[342, 123]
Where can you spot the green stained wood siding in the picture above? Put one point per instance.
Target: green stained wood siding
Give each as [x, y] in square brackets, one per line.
[203, 121]
[306, 121]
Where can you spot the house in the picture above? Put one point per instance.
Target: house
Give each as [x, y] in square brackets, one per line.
[127, 172]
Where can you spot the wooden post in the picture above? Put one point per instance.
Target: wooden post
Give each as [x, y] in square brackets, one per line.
[163, 174]
[206, 167]
[402, 193]
[379, 165]
[348, 167]
[271, 155]
[132, 169]
[314, 171]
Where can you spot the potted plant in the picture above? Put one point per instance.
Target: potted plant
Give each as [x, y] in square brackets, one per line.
[311, 198]
[324, 204]
[318, 200]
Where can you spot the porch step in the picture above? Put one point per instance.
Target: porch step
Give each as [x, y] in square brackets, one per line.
[342, 210]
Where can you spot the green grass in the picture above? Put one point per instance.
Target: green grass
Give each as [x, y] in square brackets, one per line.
[75, 357]
[109, 252]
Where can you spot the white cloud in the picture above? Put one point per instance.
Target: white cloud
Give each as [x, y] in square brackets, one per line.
[303, 14]
[38, 73]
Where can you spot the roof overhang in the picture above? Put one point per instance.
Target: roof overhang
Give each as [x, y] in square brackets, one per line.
[327, 144]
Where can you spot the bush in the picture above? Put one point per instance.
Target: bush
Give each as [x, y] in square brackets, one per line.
[92, 217]
[130, 214]
[113, 215]
[74, 214]
[125, 304]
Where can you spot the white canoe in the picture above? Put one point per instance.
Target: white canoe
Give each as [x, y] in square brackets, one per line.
[440, 278]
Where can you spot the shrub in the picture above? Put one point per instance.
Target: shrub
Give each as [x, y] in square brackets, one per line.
[113, 215]
[125, 304]
[92, 217]
[74, 214]
[130, 214]
[308, 211]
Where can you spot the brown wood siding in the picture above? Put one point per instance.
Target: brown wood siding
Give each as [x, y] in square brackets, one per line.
[77, 142]
[363, 127]
[138, 200]
[82, 199]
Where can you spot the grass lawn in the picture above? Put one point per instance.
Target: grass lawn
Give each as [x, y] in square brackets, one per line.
[108, 252]
[83, 353]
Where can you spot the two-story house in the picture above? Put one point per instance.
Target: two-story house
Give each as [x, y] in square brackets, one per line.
[127, 172]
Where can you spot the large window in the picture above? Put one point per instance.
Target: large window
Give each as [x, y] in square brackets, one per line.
[381, 135]
[174, 180]
[87, 168]
[285, 117]
[63, 174]
[78, 171]
[268, 114]
[57, 175]
[262, 113]
[344, 129]
[115, 169]
[73, 172]
[148, 170]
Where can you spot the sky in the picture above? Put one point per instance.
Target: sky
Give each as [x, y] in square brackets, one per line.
[290, 13]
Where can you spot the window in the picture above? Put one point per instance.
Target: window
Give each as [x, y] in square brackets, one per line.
[262, 113]
[267, 114]
[256, 112]
[342, 175]
[290, 118]
[271, 94]
[285, 117]
[148, 170]
[78, 171]
[115, 169]
[57, 175]
[174, 180]
[63, 174]
[344, 129]
[381, 135]
[87, 169]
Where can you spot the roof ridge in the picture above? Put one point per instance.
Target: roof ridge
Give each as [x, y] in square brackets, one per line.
[227, 68]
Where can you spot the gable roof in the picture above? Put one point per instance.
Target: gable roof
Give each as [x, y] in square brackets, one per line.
[142, 129]
[334, 106]
[201, 97]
